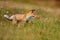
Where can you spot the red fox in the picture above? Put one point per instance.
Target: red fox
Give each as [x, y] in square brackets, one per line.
[21, 17]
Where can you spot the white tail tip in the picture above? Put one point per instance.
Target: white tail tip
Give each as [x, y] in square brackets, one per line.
[6, 16]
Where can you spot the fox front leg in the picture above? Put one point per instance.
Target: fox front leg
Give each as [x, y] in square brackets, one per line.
[29, 21]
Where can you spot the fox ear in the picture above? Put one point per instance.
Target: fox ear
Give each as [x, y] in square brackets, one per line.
[33, 10]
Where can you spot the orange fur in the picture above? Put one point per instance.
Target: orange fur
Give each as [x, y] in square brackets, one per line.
[22, 17]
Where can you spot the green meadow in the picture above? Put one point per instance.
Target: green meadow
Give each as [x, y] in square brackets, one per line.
[45, 27]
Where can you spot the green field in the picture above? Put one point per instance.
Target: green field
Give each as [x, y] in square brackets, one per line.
[45, 27]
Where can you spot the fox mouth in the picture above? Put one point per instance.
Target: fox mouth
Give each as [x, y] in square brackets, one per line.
[33, 16]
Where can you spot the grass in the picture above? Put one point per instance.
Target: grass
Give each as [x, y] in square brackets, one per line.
[46, 27]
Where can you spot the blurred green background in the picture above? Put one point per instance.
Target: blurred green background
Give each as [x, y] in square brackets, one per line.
[45, 27]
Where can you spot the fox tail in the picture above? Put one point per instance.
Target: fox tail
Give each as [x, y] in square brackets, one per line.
[7, 17]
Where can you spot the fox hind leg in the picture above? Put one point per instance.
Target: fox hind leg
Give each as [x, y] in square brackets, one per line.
[14, 21]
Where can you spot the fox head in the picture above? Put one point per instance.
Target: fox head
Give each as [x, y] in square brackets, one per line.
[30, 14]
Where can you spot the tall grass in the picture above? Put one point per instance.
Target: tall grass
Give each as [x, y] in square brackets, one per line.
[46, 27]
